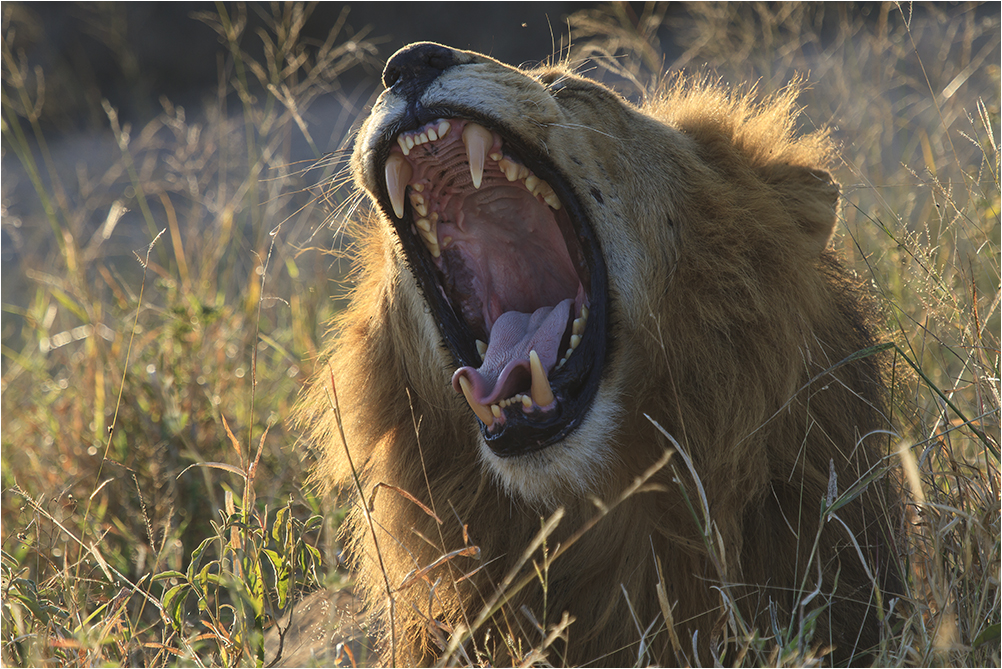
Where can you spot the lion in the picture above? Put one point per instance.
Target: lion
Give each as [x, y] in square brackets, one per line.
[558, 293]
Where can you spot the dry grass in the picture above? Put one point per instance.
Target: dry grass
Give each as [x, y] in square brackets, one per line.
[120, 375]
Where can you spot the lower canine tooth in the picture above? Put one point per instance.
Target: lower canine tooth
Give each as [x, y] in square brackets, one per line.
[542, 394]
[398, 173]
[482, 412]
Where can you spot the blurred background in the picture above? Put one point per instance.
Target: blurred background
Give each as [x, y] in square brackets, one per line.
[172, 191]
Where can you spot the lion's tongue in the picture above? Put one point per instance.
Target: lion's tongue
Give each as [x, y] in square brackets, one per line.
[505, 371]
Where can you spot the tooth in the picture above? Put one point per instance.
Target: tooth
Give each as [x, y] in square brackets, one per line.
[446, 241]
[509, 168]
[423, 137]
[496, 156]
[419, 204]
[578, 326]
[424, 224]
[552, 200]
[443, 128]
[526, 401]
[418, 187]
[481, 349]
[496, 410]
[398, 173]
[541, 392]
[432, 135]
[531, 182]
[403, 145]
[584, 311]
[568, 352]
[431, 242]
[563, 361]
[575, 340]
[410, 141]
[478, 140]
[482, 412]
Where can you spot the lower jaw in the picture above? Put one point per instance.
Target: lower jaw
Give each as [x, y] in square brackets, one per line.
[574, 467]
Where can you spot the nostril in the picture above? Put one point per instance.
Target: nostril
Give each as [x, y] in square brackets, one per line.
[415, 66]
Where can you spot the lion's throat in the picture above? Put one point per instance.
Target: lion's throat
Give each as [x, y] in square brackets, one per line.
[509, 374]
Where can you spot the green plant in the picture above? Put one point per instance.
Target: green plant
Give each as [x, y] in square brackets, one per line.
[121, 369]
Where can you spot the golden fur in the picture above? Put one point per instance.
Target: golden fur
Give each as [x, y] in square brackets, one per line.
[728, 314]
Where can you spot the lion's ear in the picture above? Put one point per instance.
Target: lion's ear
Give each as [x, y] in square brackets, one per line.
[811, 196]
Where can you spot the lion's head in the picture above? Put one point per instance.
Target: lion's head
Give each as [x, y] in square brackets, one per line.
[552, 270]
[513, 196]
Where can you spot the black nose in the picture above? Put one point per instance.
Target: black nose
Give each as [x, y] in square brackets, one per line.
[410, 70]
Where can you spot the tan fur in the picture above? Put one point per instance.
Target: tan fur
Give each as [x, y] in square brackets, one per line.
[725, 301]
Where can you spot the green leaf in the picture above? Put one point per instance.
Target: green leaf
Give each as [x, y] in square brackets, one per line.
[988, 635]
[167, 574]
[283, 575]
[173, 603]
[196, 557]
[26, 592]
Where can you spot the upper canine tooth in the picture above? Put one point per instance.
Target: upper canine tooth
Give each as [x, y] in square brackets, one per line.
[478, 141]
[542, 394]
[483, 413]
[398, 173]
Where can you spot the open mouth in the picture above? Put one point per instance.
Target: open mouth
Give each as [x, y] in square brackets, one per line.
[512, 271]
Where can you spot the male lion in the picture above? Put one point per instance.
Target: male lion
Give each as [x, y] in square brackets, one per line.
[556, 282]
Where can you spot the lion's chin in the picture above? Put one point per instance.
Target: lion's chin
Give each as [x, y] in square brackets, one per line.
[573, 468]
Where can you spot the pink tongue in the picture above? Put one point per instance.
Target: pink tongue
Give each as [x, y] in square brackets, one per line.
[505, 371]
